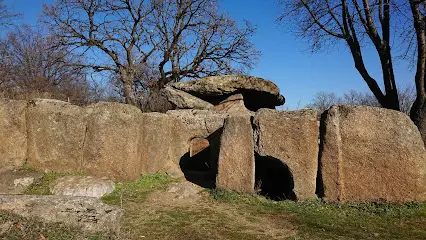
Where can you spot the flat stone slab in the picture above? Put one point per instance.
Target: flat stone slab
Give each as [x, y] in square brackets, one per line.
[88, 213]
[83, 186]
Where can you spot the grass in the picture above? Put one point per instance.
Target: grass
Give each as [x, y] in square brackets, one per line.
[229, 215]
[15, 227]
[319, 220]
[137, 191]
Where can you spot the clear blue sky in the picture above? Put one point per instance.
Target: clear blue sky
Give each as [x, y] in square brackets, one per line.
[285, 59]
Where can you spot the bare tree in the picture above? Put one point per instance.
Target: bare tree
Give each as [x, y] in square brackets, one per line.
[6, 15]
[30, 67]
[200, 41]
[358, 23]
[112, 32]
[324, 100]
[182, 38]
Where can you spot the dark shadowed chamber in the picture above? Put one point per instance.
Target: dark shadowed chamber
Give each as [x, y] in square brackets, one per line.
[201, 169]
[274, 179]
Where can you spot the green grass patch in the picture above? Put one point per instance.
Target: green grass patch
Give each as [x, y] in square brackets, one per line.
[320, 220]
[138, 190]
[42, 185]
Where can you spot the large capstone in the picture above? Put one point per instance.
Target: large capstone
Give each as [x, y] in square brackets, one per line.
[257, 92]
[371, 154]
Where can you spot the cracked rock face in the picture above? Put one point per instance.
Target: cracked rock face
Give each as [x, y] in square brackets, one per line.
[88, 213]
[257, 92]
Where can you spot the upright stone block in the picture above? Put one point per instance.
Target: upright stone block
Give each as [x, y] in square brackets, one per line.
[112, 142]
[156, 142]
[13, 134]
[236, 155]
[56, 132]
[371, 154]
[292, 138]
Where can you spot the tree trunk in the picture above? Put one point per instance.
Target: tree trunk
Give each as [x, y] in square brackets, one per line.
[418, 115]
[418, 110]
[129, 93]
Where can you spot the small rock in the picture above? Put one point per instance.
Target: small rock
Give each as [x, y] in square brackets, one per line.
[174, 172]
[4, 227]
[183, 190]
[82, 186]
[197, 145]
[17, 181]
[23, 182]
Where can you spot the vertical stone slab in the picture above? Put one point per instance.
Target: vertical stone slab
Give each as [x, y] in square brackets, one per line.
[371, 154]
[292, 138]
[56, 131]
[13, 134]
[236, 156]
[111, 147]
[155, 142]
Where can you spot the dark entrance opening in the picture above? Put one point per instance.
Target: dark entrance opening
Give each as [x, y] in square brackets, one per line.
[273, 179]
[201, 168]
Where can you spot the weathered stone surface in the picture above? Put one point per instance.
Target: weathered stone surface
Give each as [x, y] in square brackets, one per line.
[371, 154]
[234, 103]
[197, 145]
[88, 213]
[257, 92]
[184, 190]
[82, 186]
[17, 181]
[236, 156]
[183, 100]
[56, 132]
[189, 124]
[156, 142]
[111, 147]
[13, 133]
[291, 137]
